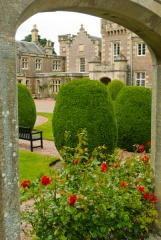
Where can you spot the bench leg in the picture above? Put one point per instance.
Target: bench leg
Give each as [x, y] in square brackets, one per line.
[41, 143]
[31, 145]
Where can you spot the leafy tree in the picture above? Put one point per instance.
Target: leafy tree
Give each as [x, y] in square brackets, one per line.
[42, 41]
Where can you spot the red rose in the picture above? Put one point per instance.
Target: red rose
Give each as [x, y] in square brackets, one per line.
[45, 180]
[147, 196]
[116, 165]
[76, 161]
[141, 148]
[26, 183]
[145, 158]
[89, 160]
[123, 184]
[141, 188]
[104, 167]
[72, 200]
[149, 144]
[154, 198]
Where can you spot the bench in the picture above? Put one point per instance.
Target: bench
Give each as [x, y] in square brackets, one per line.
[26, 133]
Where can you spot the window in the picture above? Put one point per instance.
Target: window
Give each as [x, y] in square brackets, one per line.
[38, 64]
[24, 63]
[81, 48]
[141, 49]
[116, 49]
[82, 65]
[56, 86]
[56, 65]
[140, 79]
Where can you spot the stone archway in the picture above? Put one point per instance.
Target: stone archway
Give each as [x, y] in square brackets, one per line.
[105, 80]
[142, 17]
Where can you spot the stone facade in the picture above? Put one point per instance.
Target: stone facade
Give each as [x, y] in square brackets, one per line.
[119, 54]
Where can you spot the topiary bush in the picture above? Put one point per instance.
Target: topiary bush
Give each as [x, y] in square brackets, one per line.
[80, 104]
[26, 107]
[133, 113]
[114, 87]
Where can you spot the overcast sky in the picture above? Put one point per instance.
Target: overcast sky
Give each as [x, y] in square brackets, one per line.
[52, 24]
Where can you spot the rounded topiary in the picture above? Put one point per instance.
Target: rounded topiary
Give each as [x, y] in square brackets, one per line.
[133, 114]
[26, 107]
[114, 87]
[80, 104]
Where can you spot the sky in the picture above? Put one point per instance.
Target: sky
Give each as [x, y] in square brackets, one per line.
[52, 24]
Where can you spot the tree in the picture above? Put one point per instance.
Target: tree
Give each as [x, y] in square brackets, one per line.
[42, 41]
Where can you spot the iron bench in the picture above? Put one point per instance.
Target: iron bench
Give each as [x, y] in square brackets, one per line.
[26, 133]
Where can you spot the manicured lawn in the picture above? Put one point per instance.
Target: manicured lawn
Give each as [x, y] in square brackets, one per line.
[46, 127]
[32, 165]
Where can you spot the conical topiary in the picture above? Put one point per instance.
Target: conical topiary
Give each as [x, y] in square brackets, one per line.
[114, 87]
[26, 107]
[133, 114]
[86, 104]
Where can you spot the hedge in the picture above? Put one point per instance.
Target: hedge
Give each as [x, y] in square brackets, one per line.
[133, 113]
[80, 104]
[114, 87]
[26, 107]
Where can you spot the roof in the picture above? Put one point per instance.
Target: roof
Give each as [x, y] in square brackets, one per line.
[29, 47]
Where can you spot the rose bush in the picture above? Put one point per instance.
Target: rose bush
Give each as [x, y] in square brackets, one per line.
[104, 197]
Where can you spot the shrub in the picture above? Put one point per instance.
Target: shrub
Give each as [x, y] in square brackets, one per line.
[114, 87]
[133, 113]
[89, 200]
[26, 107]
[86, 104]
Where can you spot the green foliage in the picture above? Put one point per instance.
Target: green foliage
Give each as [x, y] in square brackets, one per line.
[33, 164]
[114, 87]
[26, 107]
[86, 200]
[84, 103]
[42, 41]
[133, 113]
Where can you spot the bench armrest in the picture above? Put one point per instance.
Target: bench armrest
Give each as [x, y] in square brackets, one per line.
[36, 132]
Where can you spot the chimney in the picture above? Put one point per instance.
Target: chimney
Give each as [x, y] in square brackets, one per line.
[34, 34]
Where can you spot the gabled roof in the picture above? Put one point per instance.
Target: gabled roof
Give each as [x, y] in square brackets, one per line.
[29, 47]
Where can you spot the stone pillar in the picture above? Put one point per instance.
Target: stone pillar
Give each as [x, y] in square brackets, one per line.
[156, 137]
[9, 169]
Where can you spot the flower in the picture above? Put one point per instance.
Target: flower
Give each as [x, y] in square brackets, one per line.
[76, 161]
[123, 184]
[116, 165]
[141, 188]
[45, 180]
[141, 148]
[26, 183]
[154, 198]
[104, 167]
[72, 200]
[89, 160]
[145, 158]
[149, 144]
[147, 196]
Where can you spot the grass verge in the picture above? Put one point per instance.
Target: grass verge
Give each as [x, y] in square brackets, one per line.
[33, 165]
[46, 127]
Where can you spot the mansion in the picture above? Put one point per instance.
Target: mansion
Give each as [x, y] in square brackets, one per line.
[118, 54]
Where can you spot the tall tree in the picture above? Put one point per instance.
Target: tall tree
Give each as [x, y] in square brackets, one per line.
[42, 41]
